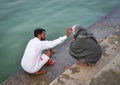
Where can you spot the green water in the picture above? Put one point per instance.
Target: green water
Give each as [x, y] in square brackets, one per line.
[18, 19]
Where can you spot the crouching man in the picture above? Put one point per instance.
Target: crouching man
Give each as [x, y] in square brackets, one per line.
[33, 59]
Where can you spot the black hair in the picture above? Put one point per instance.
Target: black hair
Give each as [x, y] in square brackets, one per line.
[38, 31]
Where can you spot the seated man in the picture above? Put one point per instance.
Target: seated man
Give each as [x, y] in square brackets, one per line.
[84, 47]
[33, 59]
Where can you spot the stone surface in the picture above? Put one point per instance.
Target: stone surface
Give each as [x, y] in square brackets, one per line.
[109, 75]
[82, 75]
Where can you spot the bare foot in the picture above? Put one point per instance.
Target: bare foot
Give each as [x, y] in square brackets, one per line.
[66, 67]
[100, 40]
[81, 63]
[41, 72]
[84, 64]
[52, 51]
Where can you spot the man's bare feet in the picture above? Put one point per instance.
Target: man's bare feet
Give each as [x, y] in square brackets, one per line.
[52, 51]
[41, 72]
[66, 67]
[100, 40]
[81, 63]
[84, 64]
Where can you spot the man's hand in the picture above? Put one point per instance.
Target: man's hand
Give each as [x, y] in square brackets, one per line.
[68, 32]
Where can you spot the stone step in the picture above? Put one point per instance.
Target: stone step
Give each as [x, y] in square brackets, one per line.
[109, 75]
[82, 75]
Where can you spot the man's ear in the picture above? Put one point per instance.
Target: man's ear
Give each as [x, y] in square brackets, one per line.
[39, 36]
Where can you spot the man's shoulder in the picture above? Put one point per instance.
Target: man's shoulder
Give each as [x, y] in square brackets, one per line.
[33, 40]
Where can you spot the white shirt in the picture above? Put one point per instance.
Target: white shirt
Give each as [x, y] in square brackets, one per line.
[31, 59]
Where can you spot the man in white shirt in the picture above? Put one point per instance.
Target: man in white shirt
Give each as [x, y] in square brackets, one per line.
[33, 59]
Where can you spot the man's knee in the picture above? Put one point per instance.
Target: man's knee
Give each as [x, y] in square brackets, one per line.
[48, 53]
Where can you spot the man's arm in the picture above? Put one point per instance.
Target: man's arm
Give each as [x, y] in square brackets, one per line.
[51, 44]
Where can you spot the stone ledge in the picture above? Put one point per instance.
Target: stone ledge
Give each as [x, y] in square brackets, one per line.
[82, 75]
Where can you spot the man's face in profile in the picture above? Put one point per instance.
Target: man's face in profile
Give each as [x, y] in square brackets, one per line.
[43, 35]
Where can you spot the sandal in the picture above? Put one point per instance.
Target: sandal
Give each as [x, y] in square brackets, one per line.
[50, 62]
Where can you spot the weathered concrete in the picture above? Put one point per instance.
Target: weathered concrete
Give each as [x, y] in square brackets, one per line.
[76, 75]
[82, 75]
[109, 75]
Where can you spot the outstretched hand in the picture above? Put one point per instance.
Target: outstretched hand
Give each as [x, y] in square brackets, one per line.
[68, 32]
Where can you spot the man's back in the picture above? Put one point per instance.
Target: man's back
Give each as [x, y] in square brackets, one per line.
[31, 54]
[85, 47]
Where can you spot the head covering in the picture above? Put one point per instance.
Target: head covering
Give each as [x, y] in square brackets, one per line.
[75, 28]
[80, 31]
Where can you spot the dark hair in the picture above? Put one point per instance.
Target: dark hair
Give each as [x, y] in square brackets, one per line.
[38, 31]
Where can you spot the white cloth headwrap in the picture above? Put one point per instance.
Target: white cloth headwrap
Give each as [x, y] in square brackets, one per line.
[74, 28]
